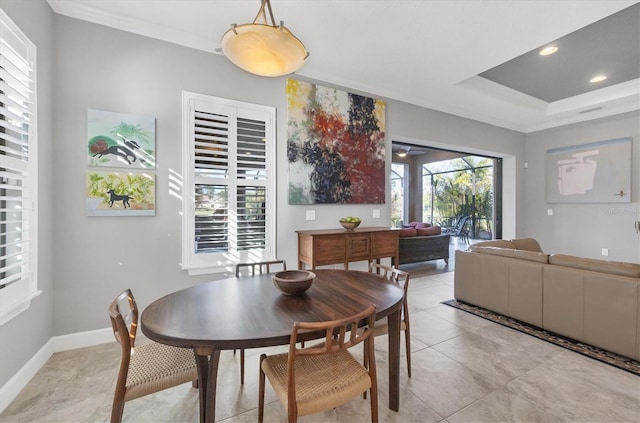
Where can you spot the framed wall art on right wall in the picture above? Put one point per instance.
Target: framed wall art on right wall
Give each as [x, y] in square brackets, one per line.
[598, 172]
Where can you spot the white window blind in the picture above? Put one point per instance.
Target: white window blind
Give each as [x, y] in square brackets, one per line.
[228, 155]
[18, 170]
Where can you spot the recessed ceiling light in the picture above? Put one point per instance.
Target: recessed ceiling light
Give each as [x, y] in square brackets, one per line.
[597, 78]
[548, 50]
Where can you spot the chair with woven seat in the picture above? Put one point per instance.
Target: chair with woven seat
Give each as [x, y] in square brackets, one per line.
[324, 376]
[250, 269]
[147, 368]
[259, 267]
[381, 328]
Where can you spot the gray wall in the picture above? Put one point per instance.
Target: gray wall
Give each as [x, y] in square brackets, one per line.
[583, 229]
[98, 67]
[24, 335]
[95, 258]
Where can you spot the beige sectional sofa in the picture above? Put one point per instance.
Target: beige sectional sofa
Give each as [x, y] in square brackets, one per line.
[592, 301]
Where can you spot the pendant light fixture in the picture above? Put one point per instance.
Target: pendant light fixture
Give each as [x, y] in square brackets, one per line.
[263, 48]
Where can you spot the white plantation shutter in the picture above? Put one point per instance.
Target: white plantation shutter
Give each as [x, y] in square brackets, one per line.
[251, 174]
[18, 167]
[229, 182]
[211, 176]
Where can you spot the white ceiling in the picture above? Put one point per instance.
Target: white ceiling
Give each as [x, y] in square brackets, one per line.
[426, 53]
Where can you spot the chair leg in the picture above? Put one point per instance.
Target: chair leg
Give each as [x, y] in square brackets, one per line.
[374, 404]
[373, 391]
[407, 342]
[261, 391]
[242, 366]
[365, 363]
[118, 399]
[117, 410]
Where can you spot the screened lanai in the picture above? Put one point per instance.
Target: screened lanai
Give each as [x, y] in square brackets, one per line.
[441, 187]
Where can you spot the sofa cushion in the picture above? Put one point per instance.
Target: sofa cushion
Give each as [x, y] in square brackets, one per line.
[407, 232]
[494, 251]
[433, 230]
[569, 261]
[534, 256]
[610, 309]
[537, 256]
[615, 268]
[563, 301]
[525, 291]
[528, 244]
[502, 243]
[603, 266]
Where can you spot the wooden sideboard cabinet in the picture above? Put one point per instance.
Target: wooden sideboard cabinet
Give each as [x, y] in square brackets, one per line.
[334, 246]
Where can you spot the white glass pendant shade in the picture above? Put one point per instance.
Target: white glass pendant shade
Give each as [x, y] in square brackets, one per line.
[263, 49]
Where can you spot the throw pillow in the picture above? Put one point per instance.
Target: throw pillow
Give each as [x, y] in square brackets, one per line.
[422, 225]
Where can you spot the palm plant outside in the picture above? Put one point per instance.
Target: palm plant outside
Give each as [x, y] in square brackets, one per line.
[453, 196]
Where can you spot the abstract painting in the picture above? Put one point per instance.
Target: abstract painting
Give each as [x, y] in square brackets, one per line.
[121, 140]
[335, 146]
[120, 194]
[598, 172]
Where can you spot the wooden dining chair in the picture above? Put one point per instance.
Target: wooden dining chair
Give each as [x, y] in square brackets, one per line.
[147, 368]
[324, 376]
[256, 268]
[259, 268]
[381, 328]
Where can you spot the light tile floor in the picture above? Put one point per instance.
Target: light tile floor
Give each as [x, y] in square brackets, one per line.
[465, 369]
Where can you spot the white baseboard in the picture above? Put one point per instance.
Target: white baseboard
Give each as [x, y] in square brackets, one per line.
[10, 390]
[13, 386]
[82, 339]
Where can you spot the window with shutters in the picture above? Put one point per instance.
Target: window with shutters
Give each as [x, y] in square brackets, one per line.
[18, 171]
[229, 183]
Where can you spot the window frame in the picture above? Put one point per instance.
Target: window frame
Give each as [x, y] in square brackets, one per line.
[405, 189]
[15, 297]
[216, 262]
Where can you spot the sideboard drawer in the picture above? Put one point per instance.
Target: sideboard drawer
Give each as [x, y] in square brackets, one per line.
[330, 249]
[384, 244]
[358, 247]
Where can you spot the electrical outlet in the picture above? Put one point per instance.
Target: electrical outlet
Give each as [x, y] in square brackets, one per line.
[605, 251]
[376, 214]
[311, 215]
[549, 212]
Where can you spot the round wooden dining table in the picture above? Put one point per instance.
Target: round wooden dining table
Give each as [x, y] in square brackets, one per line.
[250, 312]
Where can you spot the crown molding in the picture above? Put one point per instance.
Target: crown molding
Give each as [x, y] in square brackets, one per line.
[91, 14]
